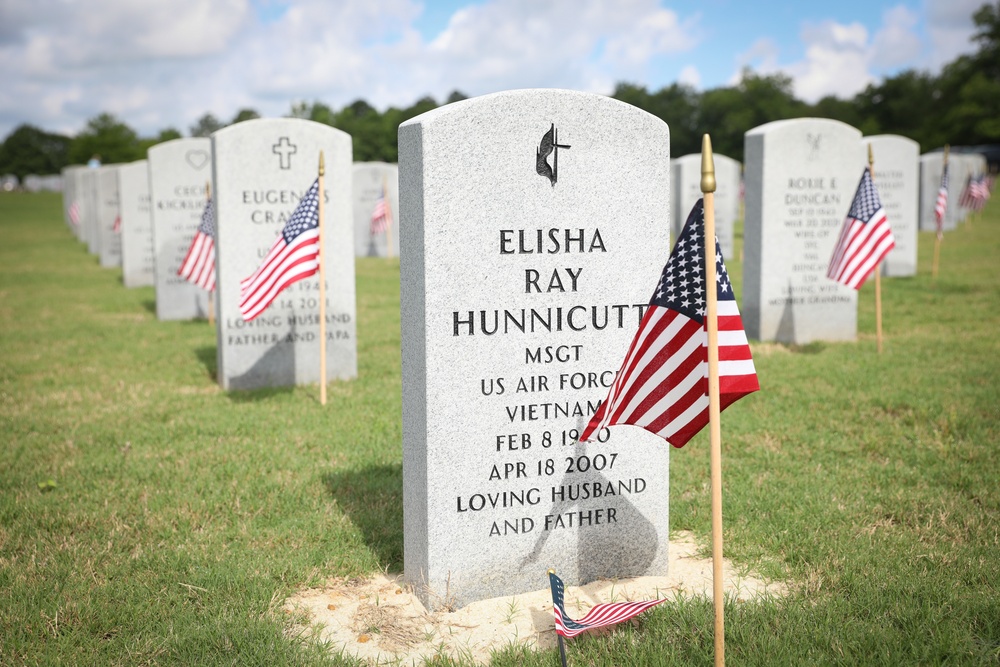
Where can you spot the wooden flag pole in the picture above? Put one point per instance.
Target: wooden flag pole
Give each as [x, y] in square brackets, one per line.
[388, 218]
[939, 234]
[211, 295]
[322, 288]
[715, 431]
[878, 271]
[562, 644]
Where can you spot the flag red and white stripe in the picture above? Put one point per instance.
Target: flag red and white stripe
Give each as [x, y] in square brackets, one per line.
[198, 266]
[294, 255]
[117, 226]
[662, 385]
[74, 213]
[865, 239]
[599, 616]
[941, 204]
[381, 215]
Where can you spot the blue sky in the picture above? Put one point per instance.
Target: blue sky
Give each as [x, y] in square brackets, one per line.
[164, 63]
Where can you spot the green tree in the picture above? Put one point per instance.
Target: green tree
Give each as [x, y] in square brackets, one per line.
[29, 150]
[206, 125]
[244, 114]
[108, 138]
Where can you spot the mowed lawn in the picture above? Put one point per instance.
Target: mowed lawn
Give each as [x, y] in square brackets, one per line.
[147, 517]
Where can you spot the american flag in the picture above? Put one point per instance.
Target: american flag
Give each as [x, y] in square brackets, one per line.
[663, 383]
[294, 255]
[198, 266]
[864, 239]
[599, 616]
[968, 197]
[941, 205]
[980, 192]
[117, 227]
[74, 213]
[381, 215]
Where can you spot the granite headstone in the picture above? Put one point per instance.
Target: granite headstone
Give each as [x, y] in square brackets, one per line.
[88, 211]
[897, 177]
[686, 186]
[179, 171]
[801, 176]
[138, 268]
[534, 230]
[371, 179]
[108, 217]
[262, 169]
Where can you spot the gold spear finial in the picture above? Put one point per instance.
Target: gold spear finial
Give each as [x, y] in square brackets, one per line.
[322, 165]
[947, 149]
[707, 165]
[552, 570]
[208, 189]
[871, 158]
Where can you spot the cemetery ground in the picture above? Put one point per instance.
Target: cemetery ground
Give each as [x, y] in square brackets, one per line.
[147, 517]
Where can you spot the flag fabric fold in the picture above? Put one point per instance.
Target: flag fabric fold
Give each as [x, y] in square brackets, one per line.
[198, 266]
[293, 256]
[865, 239]
[662, 385]
[381, 215]
[599, 616]
[941, 204]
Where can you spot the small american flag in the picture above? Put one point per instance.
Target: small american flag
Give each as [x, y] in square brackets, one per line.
[968, 198]
[198, 266]
[663, 383]
[74, 213]
[381, 215]
[117, 227]
[941, 205]
[294, 255]
[980, 192]
[599, 616]
[864, 239]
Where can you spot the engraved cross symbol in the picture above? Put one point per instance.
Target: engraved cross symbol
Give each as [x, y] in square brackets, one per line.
[548, 144]
[285, 149]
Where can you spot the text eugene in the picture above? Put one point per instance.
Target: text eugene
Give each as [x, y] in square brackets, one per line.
[286, 199]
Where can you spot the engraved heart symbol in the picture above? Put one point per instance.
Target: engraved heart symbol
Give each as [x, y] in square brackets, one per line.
[197, 158]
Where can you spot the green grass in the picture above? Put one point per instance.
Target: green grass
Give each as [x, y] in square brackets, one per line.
[179, 517]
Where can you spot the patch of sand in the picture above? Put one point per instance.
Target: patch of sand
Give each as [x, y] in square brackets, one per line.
[381, 621]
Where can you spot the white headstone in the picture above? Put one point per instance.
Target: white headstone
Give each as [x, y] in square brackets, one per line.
[89, 201]
[686, 186]
[897, 178]
[801, 176]
[930, 183]
[263, 168]
[523, 278]
[370, 178]
[138, 268]
[108, 221]
[71, 201]
[179, 171]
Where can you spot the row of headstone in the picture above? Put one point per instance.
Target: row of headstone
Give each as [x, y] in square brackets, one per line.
[961, 167]
[686, 187]
[49, 183]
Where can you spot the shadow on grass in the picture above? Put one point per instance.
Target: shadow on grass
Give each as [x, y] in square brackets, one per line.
[372, 498]
[150, 305]
[207, 355]
[814, 347]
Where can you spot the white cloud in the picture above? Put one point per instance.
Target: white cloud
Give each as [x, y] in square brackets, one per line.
[690, 76]
[836, 61]
[949, 23]
[896, 43]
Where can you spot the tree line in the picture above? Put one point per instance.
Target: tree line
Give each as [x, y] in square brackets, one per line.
[957, 106]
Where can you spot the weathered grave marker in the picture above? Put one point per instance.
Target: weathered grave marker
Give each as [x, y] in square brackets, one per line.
[179, 171]
[108, 220]
[801, 176]
[262, 169]
[897, 178]
[138, 268]
[533, 224]
[686, 189]
[370, 178]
